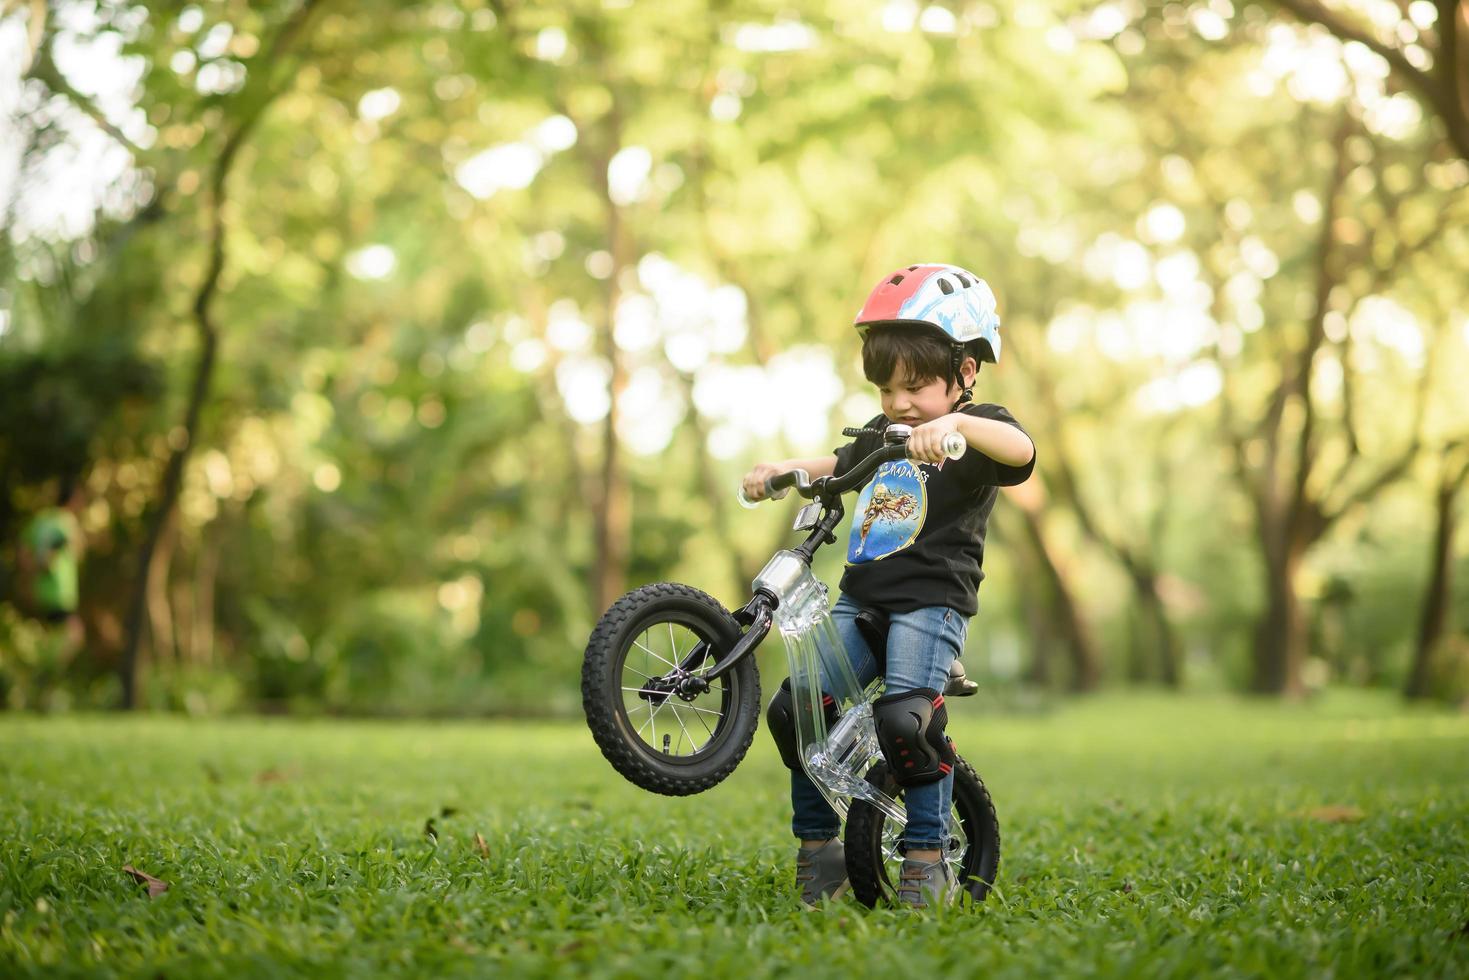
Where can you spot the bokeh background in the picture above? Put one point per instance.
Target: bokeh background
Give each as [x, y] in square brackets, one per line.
[390, 342]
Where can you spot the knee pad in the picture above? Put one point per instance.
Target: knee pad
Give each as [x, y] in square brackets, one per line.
[780, 717]
[910, 731]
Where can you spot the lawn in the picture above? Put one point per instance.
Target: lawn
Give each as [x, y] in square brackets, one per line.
[1143, 836]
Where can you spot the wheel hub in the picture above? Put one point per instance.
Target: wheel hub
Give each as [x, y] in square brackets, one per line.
[681, 683]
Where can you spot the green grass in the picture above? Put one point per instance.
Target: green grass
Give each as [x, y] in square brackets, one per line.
[1142, 837]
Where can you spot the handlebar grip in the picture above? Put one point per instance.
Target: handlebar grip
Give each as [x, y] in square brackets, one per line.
[784, 481]
[776, 487]
[954, 445]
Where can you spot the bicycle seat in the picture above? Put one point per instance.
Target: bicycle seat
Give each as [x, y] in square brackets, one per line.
[873, 627]
[959, 686]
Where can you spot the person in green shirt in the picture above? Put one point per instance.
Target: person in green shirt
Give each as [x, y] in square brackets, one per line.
[48, 584]
[50, 558]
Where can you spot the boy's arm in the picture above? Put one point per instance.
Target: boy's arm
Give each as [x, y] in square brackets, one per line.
[1000, 441]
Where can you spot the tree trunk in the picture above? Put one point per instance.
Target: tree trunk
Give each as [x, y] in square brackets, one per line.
[1433, 621]
[1035, 611]
[1042, 639]
[718, 495]
[1079, 643]
[1280, 639]
[173, 479]
[161, 619]
[173, 471]
[1139, 647]
[201, 648]
[1162, 638]
[614, 510]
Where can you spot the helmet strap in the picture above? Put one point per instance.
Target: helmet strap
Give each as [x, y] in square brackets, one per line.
[956, 363]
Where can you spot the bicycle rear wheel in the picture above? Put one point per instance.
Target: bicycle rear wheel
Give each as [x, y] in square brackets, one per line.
[661, 741]
[973, 850]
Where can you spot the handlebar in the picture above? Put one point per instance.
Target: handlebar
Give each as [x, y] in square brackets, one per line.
[896, 448]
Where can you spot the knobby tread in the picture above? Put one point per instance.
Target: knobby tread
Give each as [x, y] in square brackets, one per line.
[865, 867]
[602, 695]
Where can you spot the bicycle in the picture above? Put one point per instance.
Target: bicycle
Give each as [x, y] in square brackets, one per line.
[672, 653]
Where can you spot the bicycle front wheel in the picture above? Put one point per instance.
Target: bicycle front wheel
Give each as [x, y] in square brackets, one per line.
[661, 741]
[972, 851]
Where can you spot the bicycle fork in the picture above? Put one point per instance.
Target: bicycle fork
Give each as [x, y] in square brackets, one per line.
[836, 760]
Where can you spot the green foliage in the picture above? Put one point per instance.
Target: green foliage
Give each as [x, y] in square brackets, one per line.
[1327, 838]
[390, 505]
[32, 664]
[61, 404]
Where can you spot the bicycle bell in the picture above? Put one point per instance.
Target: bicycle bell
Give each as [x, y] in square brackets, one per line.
[896, 433]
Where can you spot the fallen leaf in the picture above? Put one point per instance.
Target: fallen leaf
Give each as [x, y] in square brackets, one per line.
[481, 846]
[270, 776]
[1336, 813]
[570, 948]
[156, 886]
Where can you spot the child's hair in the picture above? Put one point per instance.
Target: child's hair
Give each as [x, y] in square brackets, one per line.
[924, 354]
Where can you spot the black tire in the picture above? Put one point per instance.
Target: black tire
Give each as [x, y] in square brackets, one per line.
[871, 839]
[723, 720]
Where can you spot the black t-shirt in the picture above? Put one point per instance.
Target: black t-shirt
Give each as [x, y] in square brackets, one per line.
[918, 528]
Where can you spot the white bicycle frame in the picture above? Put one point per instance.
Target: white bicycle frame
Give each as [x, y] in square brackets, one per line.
[836, 760]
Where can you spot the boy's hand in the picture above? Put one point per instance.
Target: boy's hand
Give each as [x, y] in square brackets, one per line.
[926, 444]
[754, 481]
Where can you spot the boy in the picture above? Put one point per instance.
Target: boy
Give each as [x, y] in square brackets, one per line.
[917, 546]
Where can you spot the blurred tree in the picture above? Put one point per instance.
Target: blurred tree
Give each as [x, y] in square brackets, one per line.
[1053, 609]
[1298, 452]
[490, 304]
[1427, 49]
[1434, 618]
[262, 87]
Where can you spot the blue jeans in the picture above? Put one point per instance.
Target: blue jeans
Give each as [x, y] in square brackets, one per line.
[922, 645]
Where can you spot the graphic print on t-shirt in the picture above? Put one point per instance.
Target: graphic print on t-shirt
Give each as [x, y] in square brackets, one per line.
[889, 513]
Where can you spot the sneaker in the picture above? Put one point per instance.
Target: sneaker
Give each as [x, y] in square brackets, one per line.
[922, 884]
[821, 871]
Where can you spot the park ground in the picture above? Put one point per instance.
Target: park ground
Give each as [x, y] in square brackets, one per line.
[1143, 836]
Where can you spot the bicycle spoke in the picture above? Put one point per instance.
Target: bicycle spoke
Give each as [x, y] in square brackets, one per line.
[674, 710]
[654, 712]
[645, 724]
[890, 843]
[652, 654]
[679, 718]
[691, 707]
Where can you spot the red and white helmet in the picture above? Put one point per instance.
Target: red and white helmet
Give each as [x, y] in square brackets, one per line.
[946, 297]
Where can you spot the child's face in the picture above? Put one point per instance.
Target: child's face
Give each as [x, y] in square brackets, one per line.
[914, 402]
